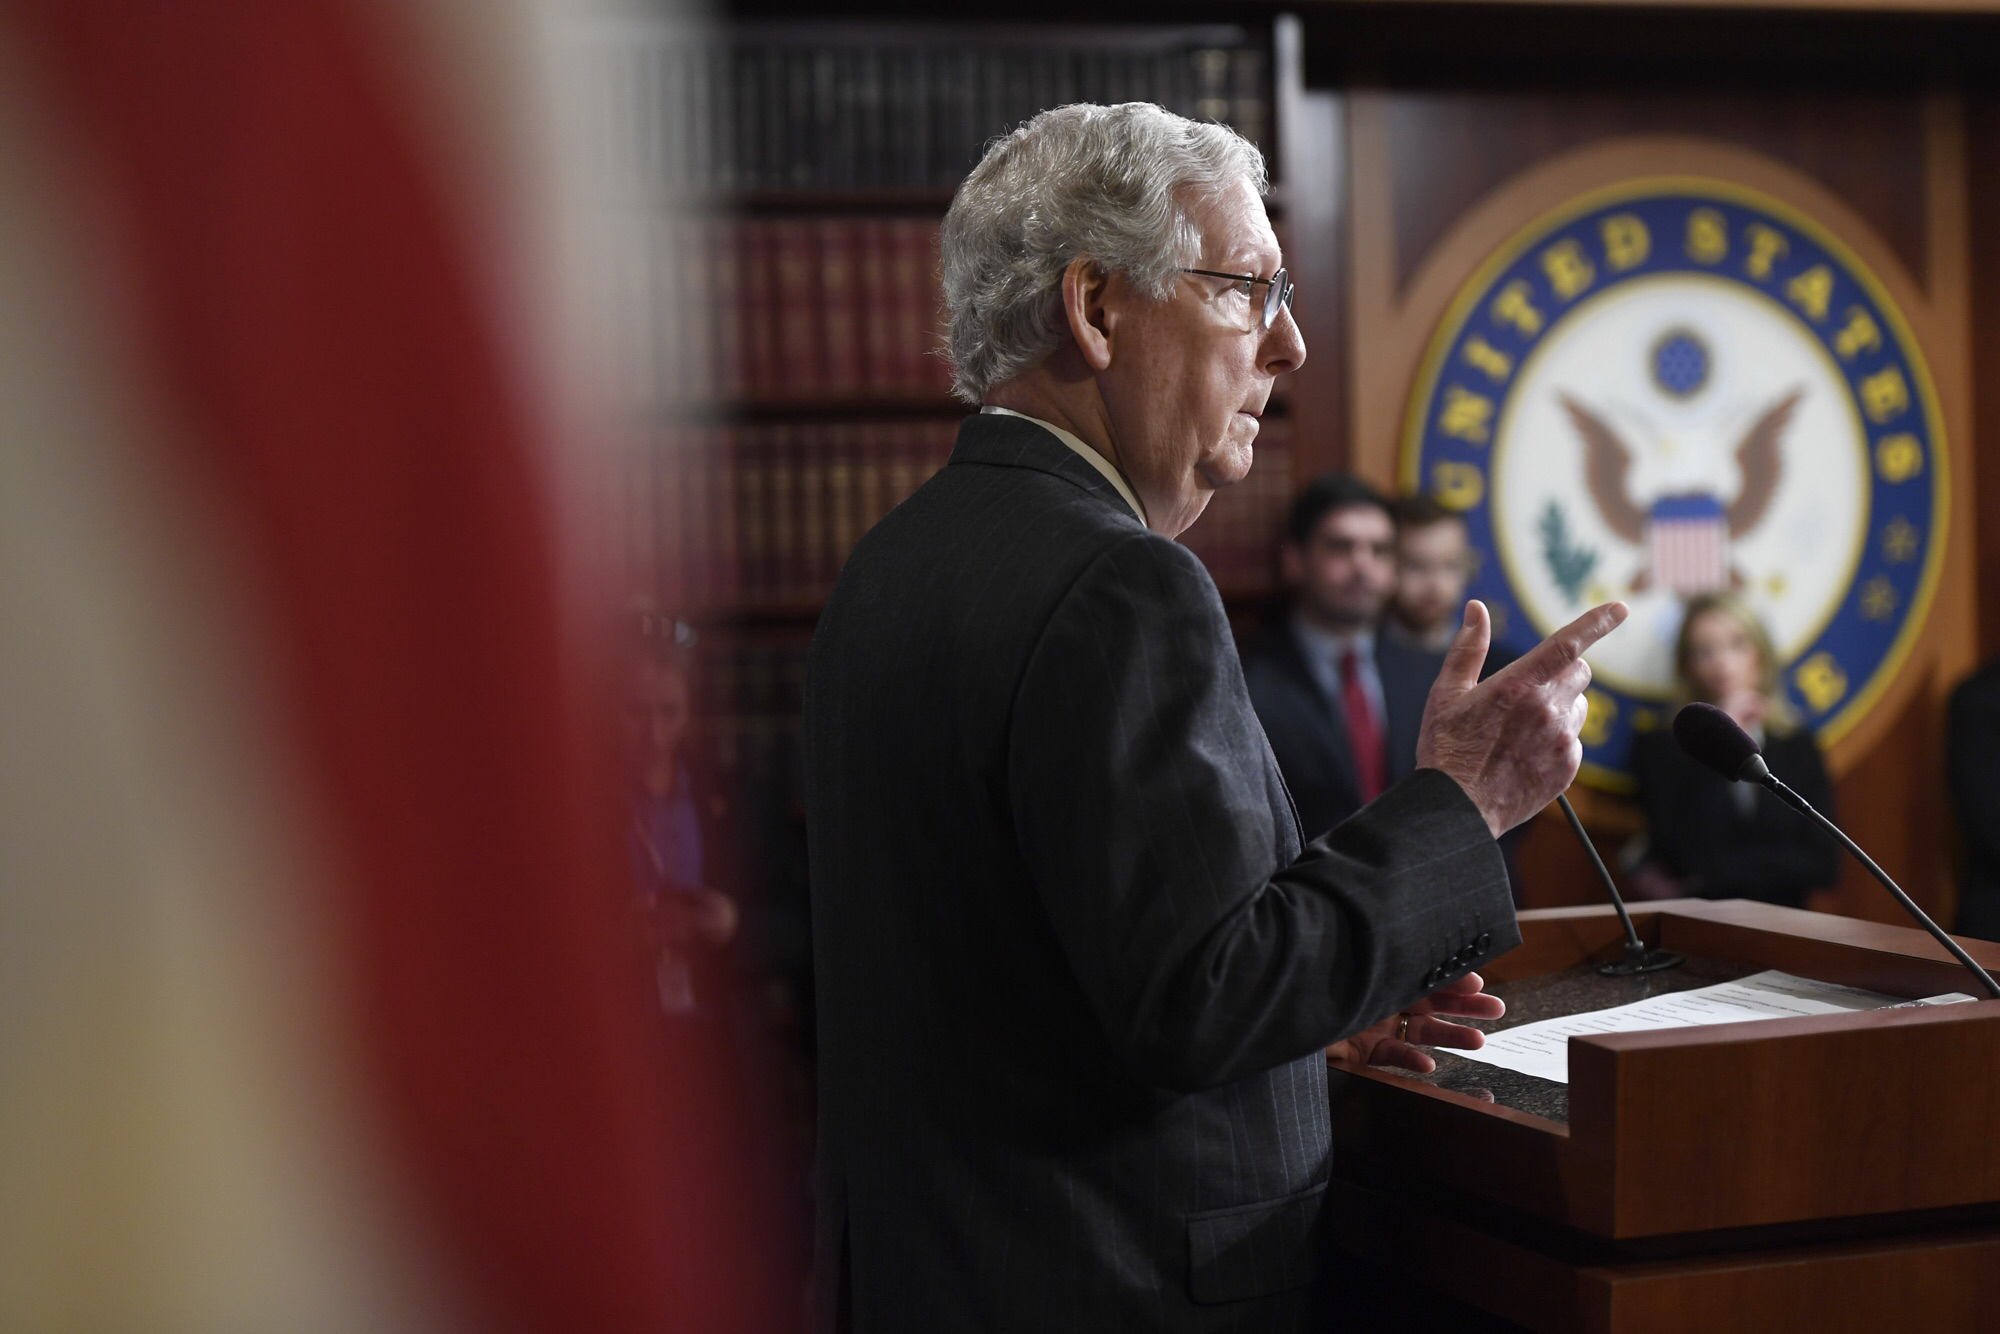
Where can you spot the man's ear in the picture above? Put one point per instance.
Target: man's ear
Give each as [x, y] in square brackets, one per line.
[1084, 288]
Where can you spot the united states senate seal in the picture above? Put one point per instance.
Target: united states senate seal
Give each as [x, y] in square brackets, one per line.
[1677, 386]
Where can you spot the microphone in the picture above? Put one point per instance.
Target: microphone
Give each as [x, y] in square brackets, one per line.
[1638, 959]
[1711, 736]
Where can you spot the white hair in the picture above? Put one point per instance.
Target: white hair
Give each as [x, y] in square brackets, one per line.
[1116, 185]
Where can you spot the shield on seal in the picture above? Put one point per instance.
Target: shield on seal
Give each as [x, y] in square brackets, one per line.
[1689, 540]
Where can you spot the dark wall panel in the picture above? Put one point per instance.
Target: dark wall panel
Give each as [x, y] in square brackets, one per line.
[1450, 146]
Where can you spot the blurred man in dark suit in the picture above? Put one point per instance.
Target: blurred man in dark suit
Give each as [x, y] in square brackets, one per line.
[1077, 961]
[1340, 699]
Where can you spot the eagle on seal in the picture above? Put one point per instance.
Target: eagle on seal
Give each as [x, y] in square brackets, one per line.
[1685, 533]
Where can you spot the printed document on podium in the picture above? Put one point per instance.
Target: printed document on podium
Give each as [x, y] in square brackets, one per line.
[1542, 1048]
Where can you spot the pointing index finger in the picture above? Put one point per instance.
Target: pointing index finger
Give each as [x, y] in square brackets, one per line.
[1546, 660]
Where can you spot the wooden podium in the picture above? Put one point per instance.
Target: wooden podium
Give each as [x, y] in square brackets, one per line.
[1829, 1173]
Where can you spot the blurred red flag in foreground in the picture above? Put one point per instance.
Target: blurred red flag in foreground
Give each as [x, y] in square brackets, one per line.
[317, 1006]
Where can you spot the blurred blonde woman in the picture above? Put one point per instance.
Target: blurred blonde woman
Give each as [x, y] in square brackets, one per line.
[1710, 838]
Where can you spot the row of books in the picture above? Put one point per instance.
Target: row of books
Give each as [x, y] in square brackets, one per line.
[673, 113]
[764, 516]
[751, 694]
[786, 310]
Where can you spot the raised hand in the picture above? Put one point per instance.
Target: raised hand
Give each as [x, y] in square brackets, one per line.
[1511, 741]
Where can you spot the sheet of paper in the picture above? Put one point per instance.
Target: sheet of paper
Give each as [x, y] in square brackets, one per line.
[1542, 1048]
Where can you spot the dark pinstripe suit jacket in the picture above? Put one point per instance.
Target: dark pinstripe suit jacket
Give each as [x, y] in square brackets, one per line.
[1075, 966]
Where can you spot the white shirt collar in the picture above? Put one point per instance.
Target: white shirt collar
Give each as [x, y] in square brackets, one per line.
[1331, 644]
[1090, 456]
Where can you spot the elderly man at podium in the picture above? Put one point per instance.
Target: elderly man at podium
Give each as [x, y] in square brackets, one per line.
[1077, 961]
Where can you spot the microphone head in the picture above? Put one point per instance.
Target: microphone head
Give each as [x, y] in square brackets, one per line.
[1711, 736]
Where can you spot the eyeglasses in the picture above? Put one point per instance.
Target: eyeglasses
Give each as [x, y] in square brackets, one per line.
[1277, 290]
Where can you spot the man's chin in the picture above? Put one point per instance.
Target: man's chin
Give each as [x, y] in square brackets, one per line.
[1423, 620]
[1349, 616]
[1229, 464]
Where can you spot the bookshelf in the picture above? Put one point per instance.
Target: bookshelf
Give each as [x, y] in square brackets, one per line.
[777, 189]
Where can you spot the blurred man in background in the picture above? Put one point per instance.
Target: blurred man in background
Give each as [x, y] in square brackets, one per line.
[1341, 702]
[1433, 566]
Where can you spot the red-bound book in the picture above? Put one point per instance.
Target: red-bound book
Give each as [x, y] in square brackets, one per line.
[691, 317]
[840, 316]
[870, 443]
[908, 296]
[934, 370]
[876, 302]
[760, 308]
[810, 563]
[725, 314]
[782, 482]
[837, 449]
[698, 519]
[799, 369]
[905, 448]
[753, 511]
[728, 566]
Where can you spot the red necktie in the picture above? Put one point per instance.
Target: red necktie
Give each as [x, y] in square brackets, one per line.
[1364, 734]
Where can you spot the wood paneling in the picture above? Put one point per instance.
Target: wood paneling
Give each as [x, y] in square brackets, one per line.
[1448, 147]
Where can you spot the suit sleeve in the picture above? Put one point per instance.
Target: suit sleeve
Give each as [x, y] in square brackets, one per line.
[1146, 808]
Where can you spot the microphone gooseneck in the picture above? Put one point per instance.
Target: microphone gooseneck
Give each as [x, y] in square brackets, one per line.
[1710, 735]
[1638, 959]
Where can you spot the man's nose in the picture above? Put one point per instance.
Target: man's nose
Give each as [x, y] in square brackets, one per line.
[1284, 347]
